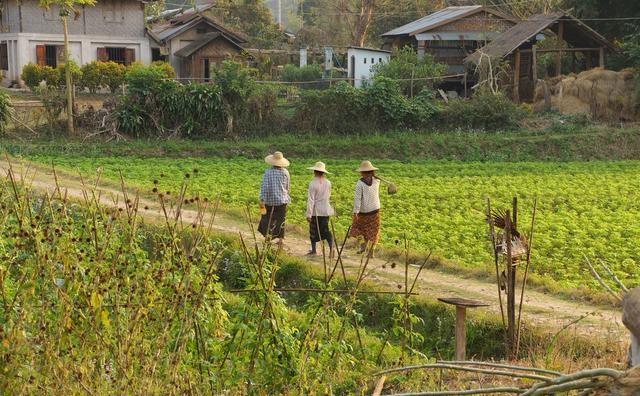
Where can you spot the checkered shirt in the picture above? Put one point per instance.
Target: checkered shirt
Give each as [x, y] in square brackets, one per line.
[276, 187]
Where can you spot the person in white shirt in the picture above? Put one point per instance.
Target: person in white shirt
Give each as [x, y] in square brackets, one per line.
[366, 207]
[319, 208]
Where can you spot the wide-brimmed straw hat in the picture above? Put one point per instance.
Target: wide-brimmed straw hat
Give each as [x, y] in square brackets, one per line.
[276, 159]
[319, 167]
[366, 166]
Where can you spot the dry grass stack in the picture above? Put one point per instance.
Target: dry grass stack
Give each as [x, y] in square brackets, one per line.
[602, 94]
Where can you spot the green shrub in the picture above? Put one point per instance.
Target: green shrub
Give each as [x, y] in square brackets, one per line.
[294, 73]
[142, 80]
[236, 84]
[485, 110]
[385, 103]
[405, 65]
[31, 75]
[5, 110]
[92, 76]
[54, 102]
[76, 74]
[165, 67]
[339, 109]
[113, 75]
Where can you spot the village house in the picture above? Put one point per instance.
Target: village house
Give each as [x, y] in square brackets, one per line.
[194, 42]
[360, 63]
[519, 47]
[450, 34]
[111, 30]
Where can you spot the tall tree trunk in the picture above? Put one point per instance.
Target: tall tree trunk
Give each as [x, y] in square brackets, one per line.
[68, 82]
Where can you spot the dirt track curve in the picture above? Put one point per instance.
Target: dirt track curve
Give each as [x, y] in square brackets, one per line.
[540, 309]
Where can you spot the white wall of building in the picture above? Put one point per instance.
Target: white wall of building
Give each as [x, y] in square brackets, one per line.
[21, 49]
[360, 61]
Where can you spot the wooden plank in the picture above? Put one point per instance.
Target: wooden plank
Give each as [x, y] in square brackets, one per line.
[601, 57]
[461, 333]
[379, 386]
[559, 55]
[534, 65]
[516, 78]
[577, 49]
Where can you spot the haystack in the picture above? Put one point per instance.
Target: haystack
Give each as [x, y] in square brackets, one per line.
[602, 94]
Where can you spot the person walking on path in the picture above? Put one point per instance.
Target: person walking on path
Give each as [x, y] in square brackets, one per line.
[366, 207]
[319, 208]
[275, 195]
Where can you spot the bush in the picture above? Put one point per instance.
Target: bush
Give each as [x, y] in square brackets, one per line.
[92, 76]
[142, 80]
[76, 74]
[293, 73]
[339, 109]
[405, 65]
[385, 103]
[236, 84]
[113, 75]
[165, 68]
[484, 110]
[5, 110]
[33, 75]
[54, 102]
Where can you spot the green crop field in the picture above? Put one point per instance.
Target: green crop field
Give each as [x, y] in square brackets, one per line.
[585, 208]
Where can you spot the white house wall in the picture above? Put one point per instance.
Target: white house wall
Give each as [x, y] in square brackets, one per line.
[362, 72]
[83, 49]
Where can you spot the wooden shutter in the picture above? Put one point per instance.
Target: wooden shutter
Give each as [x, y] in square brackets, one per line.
[103, 56]
[41, 55]
[129, 56]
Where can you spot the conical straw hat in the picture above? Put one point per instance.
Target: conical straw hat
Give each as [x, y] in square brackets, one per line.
[366, 166]
[276, 159]
[319, 167]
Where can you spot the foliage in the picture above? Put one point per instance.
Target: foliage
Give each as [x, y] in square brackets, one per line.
[165, 67]
[94, 300]
[631, 48]
[294, 73]
[5, 110]
[76, 73]
[113, 75]
[405, 65]
[92, 76]
[143, 80]
[236, 84]
[33, 75]
[485, 110]
[253, 18]
[377, 107]
[440, 205]
[54, 102]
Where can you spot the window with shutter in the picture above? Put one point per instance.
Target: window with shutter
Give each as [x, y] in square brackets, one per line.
[129, 56]
[102, 54]
[41, 54]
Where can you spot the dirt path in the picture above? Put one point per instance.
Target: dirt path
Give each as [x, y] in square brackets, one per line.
[541, 309]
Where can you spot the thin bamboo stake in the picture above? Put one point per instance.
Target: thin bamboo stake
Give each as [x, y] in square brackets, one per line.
[526, 273]
[311, 290]
[613, 275]
[492, 230]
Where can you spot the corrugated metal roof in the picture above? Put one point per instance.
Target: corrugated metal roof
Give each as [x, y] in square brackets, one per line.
[576, 33]
[430, 21]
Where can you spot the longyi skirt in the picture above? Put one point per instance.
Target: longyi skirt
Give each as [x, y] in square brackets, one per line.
[367, 225]
[319, 229]
[272, 223]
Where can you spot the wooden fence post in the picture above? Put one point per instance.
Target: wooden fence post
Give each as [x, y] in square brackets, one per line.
[516, 78]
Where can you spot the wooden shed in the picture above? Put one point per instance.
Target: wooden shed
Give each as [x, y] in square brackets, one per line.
[451, 33]
[205, 53]
[518, 46]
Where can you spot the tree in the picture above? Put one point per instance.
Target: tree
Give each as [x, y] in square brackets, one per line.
[251, 17]
[67, 7]
[237, 84]
[358, 16]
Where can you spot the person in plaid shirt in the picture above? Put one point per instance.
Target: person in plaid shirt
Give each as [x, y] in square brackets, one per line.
[274, 197]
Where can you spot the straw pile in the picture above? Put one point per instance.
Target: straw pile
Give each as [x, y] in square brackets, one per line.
[602, 94]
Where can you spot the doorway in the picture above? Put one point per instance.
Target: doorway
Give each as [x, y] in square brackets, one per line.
[206, 69]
